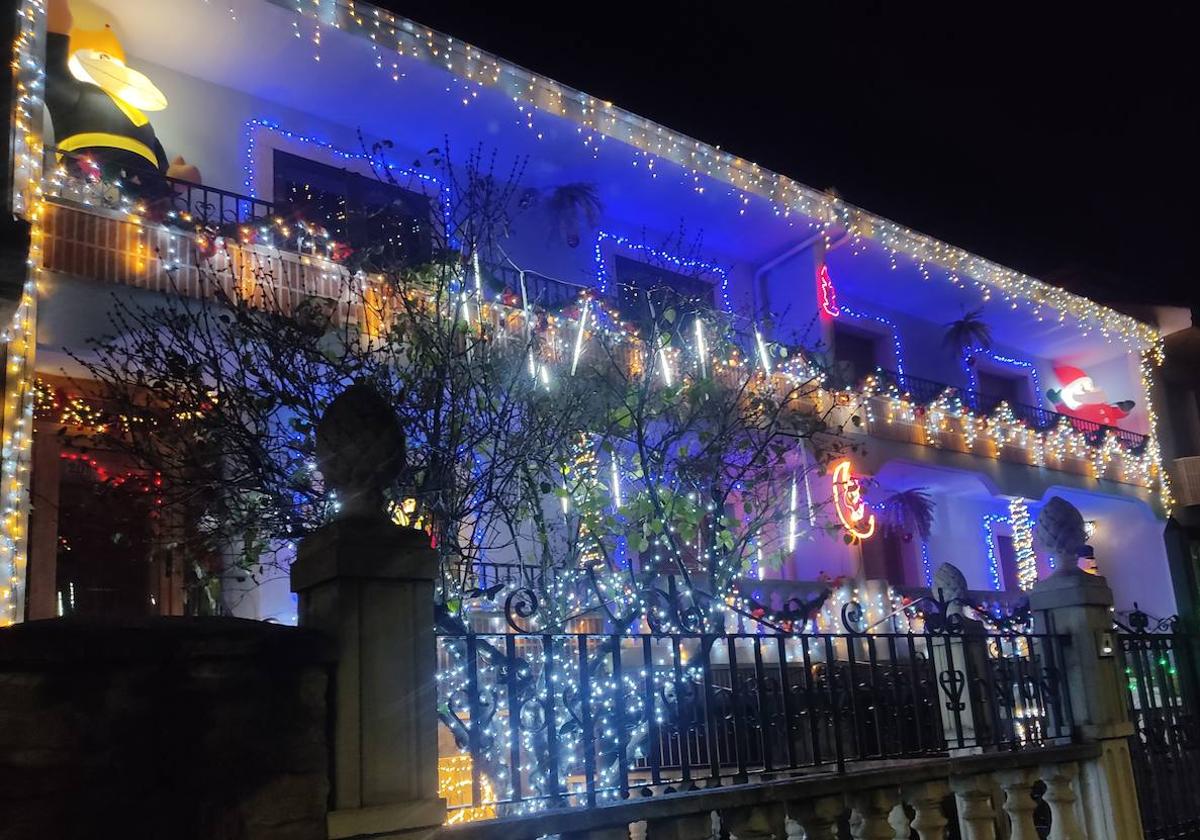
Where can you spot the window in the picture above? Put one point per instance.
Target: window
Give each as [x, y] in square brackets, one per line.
[1007, 556]
[856, 352]
[887, 556]
[644, 289]
[994, 387]
[385, 224]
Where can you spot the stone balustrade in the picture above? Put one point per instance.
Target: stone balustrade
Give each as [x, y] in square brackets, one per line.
[988, 796]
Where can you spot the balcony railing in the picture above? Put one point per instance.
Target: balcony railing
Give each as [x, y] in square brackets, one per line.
[171, 201]
[925, 391]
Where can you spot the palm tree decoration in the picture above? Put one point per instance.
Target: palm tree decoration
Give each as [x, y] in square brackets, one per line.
[572, 206]
[968, 333]
[907, 512]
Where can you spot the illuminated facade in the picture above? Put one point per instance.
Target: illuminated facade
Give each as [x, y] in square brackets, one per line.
[260, 100]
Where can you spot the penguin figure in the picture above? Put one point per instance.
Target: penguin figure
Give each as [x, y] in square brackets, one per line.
[97, 103]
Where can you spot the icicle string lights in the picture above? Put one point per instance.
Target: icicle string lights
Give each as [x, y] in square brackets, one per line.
[395, 40]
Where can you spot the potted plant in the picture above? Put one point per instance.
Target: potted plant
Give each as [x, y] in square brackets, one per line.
[968, 334]
[573, 206]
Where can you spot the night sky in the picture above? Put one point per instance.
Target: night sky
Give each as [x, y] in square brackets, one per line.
[1061, 144]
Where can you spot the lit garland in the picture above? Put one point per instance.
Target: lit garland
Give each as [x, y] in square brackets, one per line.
[1022, 537]
[19, 338]
[949, 413]
[1022, 364]
[250, 182]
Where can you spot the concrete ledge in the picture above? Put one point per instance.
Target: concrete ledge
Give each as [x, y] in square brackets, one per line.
[372, 549]
[93, 641]
[885, 775]
[1071, 587]
[404, 818]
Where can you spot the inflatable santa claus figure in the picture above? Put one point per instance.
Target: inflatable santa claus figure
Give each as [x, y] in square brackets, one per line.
[1079, 397]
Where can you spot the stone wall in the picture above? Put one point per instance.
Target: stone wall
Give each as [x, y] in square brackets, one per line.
[166, 727]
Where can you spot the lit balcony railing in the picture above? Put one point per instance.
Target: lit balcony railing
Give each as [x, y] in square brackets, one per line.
[926, 391]
[913, 410]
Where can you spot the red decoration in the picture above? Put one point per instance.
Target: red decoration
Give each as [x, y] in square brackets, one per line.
[826, 293]
[1079, 397]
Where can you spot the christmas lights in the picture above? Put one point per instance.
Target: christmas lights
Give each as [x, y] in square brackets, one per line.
[656, 257]
[647, 143]
[846, 313]
[848, 502]
[990, 521]
[1021, 364]
[1022, 536]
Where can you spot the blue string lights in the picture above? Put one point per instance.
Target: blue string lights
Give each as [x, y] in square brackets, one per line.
[1024, 365]
[990, 521]
[893, 333]
[253, 126]
[657, 258]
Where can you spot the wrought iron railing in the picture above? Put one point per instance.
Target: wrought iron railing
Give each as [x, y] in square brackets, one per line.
[925, 391]
[171, 201]
[554, 720]
[1162, 671]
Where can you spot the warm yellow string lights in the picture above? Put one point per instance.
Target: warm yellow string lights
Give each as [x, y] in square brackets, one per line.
[19, 339]
[948, 415]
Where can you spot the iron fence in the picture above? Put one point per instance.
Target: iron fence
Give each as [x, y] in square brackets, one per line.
[561, 719]
[1162, 670]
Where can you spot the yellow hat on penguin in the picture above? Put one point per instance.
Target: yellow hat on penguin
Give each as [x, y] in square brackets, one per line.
[96, 56]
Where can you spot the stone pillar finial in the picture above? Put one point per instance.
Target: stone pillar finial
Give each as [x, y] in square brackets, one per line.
[1061, 532]
[360, 450]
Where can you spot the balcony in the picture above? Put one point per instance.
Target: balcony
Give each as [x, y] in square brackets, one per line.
[153, 236]
[913, 410]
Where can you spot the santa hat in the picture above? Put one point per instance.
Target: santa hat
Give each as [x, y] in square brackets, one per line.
[1067, 374]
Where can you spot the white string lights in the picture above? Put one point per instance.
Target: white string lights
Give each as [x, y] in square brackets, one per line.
[1022, 537]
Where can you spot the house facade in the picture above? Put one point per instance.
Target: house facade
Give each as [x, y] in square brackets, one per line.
[257, 107]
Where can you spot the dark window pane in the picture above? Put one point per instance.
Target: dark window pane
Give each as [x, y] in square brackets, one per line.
[387, 225]
[1007, 555]
[995, 387]
[642, 289]
[857, 351]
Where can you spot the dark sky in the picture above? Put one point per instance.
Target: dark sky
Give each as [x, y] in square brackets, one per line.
[1062, 143]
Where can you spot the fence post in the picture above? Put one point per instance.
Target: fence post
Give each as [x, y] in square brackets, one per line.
[369, 585]
[1074, 603]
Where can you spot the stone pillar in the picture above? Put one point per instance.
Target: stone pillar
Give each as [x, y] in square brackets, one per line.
[960, 660]
[1079, 605]
[684, 827]
[754, 822]
[928, 819]
[368, 585]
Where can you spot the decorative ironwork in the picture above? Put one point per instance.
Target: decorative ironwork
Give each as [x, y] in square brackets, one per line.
[558, 719]
[1162, 672]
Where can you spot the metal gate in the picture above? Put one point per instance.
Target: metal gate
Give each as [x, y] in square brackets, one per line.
[1161, 670]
